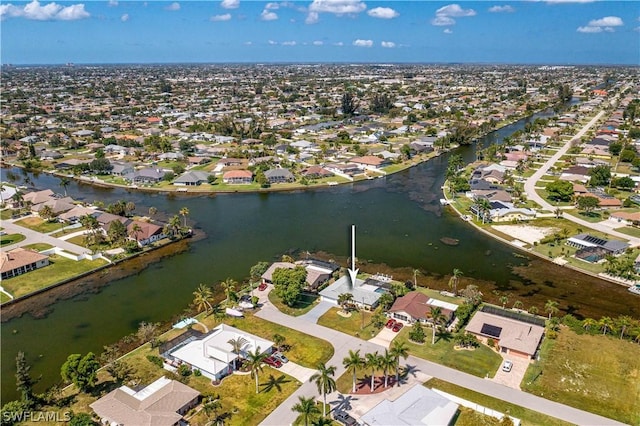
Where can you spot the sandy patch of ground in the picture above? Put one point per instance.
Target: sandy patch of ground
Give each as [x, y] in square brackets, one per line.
[526, 233]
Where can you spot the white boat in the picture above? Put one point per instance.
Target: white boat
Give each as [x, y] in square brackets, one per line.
[234, 312]
[635, 289]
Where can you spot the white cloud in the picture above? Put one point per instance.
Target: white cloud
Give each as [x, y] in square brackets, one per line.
[388, 44]
[454, 10]
[248, 43]
[338, 7]
[125, 17]
[271, 42]
[112, 3]
[220, 18]
[363, 43]
[230, 4]
[383, 13]
[588, 29]
[312, 18]
[441, 21]
[49, 12]
[607, 21]
[499, 9]
[268, 16]
[569, 1]
[173, 6]
[339, 44]
[448, 31]
[318, 43]
[289, 43]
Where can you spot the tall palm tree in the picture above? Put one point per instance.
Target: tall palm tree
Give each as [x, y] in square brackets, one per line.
[437, 317]
[229, 287]
[399, 349]
[236, 347]
[416, 272]
[518, 304]
[322, 421]
[307, 408]
[184, 212]
[372, 361]
[455, 278]
[135, 230]
[387, 362]
[605, 324]
[64, 182]
[588, 323]
[551, 307]
[152, 211]
[533, 310]
[353, 362]
[623, 322]
[255, 359]
[210, 405]
[202, 298]
[325, 383]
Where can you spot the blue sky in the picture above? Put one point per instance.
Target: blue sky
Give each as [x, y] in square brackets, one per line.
[117, 31]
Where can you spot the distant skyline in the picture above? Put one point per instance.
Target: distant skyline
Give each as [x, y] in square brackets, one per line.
[563, 32]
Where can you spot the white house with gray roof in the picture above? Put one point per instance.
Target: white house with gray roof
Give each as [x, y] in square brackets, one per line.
[364, 295]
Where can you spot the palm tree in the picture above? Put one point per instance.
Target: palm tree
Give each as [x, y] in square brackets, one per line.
[344, 300]
[386, 300]
[399, 349]
[518, 304]
[504, 299]
[152, 211]
[64, 182]
[307, 408]
[551, 307]
[352, 363]
[623, 322]
[416, 272]
[325, 382]
[236, 347]
[211, 405]
[229, 287]
[605, 324]
[533, 310]
[255, 359]
[46, 212]
[184, 212]
[322, 421]
[372, 361]
[387, 361]
[455, 278]
[18, 198]
[135, 230]
[437, 317]
[588, 323]
[202, 298]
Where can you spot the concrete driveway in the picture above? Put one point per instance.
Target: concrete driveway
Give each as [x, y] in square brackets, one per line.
[303, 374]
[384, 338]
[514, 377]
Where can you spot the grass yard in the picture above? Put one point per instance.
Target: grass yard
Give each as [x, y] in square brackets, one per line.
[4, 298]
[60, 268]
[600, 374]
[6, 240]
[39, 225]
[630, 230]
[480, 362]
[39, 246]
[528, 417]
[350, 325]
[304, 349]
[436, 295]
[305, 303]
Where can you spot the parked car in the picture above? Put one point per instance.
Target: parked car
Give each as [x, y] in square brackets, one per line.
[397, 327]
[280, 357]
[507, 366]
[344, 418]
[262, 287]
[390, 323]
[275, 363]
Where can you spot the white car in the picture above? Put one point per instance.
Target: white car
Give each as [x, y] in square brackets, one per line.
[507, 366]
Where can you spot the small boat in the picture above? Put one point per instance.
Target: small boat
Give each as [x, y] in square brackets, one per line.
[635, 289]
[233, 312]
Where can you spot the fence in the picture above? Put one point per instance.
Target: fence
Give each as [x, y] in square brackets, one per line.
[476, 407]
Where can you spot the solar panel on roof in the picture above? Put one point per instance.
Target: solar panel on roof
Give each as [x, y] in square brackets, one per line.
[595, 240]
[491, 330]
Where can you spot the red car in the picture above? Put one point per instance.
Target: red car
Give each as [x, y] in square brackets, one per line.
[390, 323]
[262, 287]
[398, 326]
[275, 363]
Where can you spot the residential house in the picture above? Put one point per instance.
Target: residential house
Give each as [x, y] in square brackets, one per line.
[237, 177]
[145, 233]
[149, 175]
[121, 169]
[76, 213]
[192, 178]
[162, 403]
[37, 197]
[279, 176]
[416, 307]
[57, 205]
[316, 172]
[593, 249]
[506, 212]
[20, 261]
[370, 162]
[364, 295]
[512, 336]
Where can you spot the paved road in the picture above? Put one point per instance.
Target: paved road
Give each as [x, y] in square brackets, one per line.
[36, 237]
[530, 190]
[342, 343]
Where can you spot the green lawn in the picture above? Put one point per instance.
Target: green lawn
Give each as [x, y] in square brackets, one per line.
[39, 225]
[305, 303]
[352, 325]
[600, 374]
[6, 240]
[60, 268]
[304, 349]
[629, 230]
[480, 362]
[528, 417]
[39, 246]
[4, 298]
[591, 217]
[436, 295]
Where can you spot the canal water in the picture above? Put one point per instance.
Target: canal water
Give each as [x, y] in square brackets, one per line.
[399, 222]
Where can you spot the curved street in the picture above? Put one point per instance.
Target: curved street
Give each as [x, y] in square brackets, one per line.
[342, 343]
[33, 237]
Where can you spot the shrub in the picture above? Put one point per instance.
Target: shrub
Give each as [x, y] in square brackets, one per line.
[155, 360]
[184, 370]
[197, 373]
[417, 333]
[491, 343]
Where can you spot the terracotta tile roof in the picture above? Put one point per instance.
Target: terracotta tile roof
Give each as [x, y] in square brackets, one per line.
[16, 258]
